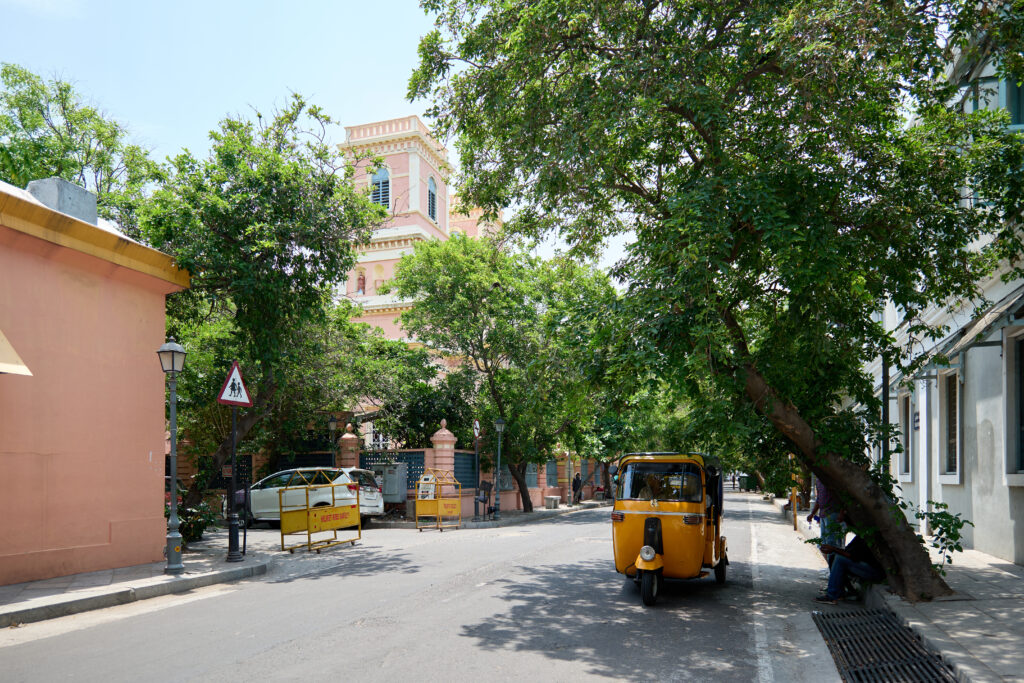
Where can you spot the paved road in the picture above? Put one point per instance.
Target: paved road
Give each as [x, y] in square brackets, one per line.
[533, 602]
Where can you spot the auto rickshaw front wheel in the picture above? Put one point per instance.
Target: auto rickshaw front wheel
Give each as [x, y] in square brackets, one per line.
[720, 570]
[650, 586]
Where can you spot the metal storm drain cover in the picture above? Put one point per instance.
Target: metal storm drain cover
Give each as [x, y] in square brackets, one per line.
[871, 645]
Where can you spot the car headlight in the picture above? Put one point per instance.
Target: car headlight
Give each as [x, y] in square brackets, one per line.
[647, 553]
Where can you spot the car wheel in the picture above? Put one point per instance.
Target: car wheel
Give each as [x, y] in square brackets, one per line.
[650, 585]
[720, 570]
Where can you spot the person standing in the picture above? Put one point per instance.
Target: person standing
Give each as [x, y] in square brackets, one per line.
[577, 488]
[830, 518]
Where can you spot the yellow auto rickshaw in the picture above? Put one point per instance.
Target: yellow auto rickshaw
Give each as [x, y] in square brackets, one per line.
[667, 519]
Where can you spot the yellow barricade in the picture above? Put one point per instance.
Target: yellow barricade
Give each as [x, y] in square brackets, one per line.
[438, 501]
[327, 514]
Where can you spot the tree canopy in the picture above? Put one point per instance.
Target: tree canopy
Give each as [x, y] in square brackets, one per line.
[48, 130]
[510, 318]
[267, 225]
[761, 153]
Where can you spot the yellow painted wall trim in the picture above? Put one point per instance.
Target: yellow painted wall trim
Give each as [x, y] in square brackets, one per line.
[52, 226]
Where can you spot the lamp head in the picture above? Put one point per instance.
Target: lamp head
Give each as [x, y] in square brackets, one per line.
[172, 357]
[499, 425]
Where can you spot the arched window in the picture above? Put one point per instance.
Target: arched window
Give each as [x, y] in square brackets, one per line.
[432, 199]
[381, 187]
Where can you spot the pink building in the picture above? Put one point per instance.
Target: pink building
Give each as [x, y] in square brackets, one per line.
[412, 183]
[82, 436]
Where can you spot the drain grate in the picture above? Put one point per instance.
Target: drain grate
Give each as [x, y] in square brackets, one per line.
[871, 645]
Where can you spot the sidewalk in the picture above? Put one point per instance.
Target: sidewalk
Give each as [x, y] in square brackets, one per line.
[205, 564]
[979, 630]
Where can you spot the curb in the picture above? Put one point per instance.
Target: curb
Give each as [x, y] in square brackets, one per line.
[63, 608]
[517, 519]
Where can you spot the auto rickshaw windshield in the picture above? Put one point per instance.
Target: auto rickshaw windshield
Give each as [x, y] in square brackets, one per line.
[679, 481]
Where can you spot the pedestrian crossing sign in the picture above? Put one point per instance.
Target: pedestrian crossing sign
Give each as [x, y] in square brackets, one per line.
[234, 392]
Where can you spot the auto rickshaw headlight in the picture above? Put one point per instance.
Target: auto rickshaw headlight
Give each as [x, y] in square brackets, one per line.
[647, 553]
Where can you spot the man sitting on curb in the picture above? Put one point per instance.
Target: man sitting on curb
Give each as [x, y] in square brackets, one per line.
[854, 560]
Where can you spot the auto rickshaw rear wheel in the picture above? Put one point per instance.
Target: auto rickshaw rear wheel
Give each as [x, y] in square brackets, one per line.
[650, 586]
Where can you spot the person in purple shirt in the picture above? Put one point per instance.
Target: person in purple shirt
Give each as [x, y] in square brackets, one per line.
[830, 516]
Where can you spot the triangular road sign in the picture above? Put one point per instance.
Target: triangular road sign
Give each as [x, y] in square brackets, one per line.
[234, 392]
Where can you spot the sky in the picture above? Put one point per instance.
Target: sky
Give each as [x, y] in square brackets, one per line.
[171, 71]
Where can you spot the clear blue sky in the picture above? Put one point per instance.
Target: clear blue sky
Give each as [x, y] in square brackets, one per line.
[171, 71]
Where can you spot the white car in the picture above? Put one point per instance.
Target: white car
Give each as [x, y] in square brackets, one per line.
[266, 498]
[371, 498]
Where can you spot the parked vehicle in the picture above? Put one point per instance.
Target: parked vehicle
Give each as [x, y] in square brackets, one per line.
[266, 495]
[371, 498]
[667, 520]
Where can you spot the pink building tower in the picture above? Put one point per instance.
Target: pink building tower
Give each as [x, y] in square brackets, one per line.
[412, 183]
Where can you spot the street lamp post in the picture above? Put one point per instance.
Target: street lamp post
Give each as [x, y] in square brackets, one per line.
[172, 360]
[499, 426]
[332, 427]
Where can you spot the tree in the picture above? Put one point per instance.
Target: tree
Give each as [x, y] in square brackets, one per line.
[47, 130]
[332, 365]
[506, 314]
[411, 414]
[266, 225]
[760, 152]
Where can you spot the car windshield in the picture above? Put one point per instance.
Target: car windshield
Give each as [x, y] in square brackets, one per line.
[661, 481]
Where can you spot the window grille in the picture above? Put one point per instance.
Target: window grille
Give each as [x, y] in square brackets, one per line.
[952, 418]
[1015, 102]
[465, 470]
[531, 475]
[906, 425]
[379, 441]
[552, 473]
[1019, 360]
[432, 199]
[381, 188]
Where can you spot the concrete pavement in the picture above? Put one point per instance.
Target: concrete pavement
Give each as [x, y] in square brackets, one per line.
[979, 630]
[205, 564]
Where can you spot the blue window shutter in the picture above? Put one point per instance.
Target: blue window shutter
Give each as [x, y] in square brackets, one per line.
[432, 199]
[381, 192]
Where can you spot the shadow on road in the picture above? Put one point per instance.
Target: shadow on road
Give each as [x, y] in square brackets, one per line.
[357, 561]
[589, 614]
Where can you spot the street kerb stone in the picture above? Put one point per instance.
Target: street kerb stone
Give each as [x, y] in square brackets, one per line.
[55, 606]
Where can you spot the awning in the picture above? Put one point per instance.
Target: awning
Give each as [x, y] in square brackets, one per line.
[10, 362]
[996, 317]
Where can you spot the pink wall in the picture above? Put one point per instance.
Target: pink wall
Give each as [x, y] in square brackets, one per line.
[387, 322]
[81, 441]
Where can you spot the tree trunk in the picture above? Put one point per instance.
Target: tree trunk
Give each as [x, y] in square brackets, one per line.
[518, 471]
[246, 421]
[894, 541]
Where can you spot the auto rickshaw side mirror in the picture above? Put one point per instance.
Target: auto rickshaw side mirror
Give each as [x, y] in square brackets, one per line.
[712, 470]
[613, 469]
